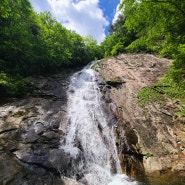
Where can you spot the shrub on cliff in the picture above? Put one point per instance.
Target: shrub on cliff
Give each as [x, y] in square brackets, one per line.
[14, 86]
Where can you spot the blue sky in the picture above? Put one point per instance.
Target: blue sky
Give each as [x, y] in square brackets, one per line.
[86, 17]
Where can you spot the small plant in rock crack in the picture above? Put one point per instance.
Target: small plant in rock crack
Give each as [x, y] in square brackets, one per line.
[96, 66]
[149, 154]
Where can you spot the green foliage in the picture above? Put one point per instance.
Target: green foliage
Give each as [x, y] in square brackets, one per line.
[4, 81]
[94, 50]
[108, 44]
[149, 26]
[117, 48]
[166, 87]
[147, 94]
[178, 68]
[181, 113]
[149, 154]
[37, 44]
[34, 44]
[170, 88]
[174, 90]
[138, 45]
[118, 39]
[114, 44]
[14, 86]
[96, 66]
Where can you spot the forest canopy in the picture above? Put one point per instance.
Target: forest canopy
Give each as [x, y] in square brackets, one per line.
[34, 44]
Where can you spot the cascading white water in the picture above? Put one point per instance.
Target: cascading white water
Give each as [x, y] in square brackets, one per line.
[88, 128]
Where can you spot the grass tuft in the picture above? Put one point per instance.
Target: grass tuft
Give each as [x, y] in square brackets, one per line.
[165, 88]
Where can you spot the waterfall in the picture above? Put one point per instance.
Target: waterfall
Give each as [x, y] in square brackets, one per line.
[89, 135]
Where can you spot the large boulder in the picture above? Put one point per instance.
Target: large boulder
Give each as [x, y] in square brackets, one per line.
[30, 134]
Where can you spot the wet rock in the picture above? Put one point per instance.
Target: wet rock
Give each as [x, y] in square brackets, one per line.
[40, 160]
[72, 182]
[39, 128]
[30, 135]
[74, 162]
[52, 135]
[62, 161]
[9, 167]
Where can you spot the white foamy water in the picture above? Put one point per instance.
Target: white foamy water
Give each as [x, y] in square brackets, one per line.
[89, 133]
[121, 179]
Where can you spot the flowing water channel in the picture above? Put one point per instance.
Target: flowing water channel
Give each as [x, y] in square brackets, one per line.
[89, 137]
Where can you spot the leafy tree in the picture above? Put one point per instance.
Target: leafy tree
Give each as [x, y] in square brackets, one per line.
[37, 44]
[160, 27]
[158, 23]
[93, 50]
[120, 37]
[16, 33]
[178, 68]
[55, 40]
[112, 45]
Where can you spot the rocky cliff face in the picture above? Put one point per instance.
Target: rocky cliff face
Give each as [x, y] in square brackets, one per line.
[30, 133]
[149, 142]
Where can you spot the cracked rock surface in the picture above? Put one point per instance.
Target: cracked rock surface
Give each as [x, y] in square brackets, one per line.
[30, 133]
[150, 141]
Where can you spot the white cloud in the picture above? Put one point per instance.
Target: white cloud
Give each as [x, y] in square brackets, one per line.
[36, 7]
[82, 16]
[40, 5]
[118, 12]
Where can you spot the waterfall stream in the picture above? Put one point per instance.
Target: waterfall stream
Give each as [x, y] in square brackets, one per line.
[89, 139]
